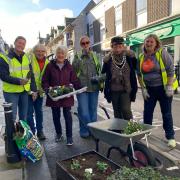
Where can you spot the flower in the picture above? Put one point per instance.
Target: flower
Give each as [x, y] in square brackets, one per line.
[88, 170]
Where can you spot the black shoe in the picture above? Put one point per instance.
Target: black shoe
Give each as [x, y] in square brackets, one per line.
[41, 136]
[58, 137]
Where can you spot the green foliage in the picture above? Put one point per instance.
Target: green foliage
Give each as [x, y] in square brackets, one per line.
[102, 166]
[60, 90]
[146, 173]
[132, 127]
[75, 164]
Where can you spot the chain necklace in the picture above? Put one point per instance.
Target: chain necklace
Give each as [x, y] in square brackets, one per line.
[120, 65]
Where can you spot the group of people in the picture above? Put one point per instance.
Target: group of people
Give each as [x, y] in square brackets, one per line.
[28, 77]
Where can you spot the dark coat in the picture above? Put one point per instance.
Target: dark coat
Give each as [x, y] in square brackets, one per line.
[107, 69]
[53, 76]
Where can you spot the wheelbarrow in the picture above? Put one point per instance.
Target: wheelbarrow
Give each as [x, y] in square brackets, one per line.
[109, 131]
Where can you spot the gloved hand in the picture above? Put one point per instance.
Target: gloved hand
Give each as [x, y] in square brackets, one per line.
[95, 80]
[145, 94]
[169, 91]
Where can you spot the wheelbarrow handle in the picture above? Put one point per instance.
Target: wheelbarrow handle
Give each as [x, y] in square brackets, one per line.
[105, 110]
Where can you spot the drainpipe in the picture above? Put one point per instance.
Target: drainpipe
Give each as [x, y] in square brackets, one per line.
[11, 149]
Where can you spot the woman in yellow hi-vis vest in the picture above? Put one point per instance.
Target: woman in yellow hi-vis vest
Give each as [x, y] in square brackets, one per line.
[39, 63]
[157, 79]
[18, 79]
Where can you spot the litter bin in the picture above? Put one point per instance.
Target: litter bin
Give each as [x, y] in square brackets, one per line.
[12, 152]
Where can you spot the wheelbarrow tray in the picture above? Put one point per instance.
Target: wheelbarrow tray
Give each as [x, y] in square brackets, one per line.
[68, 95]
[101, 130]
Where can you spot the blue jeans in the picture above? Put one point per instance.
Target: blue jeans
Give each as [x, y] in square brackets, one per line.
[19, 101]
[158, 94]
[56, 113]
[87, 110]
[35, 106]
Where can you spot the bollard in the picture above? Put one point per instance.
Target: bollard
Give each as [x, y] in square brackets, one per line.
[12, 152]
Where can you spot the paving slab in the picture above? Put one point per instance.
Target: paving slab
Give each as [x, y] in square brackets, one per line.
[160, 146]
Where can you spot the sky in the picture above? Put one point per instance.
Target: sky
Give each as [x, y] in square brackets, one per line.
[29, 17]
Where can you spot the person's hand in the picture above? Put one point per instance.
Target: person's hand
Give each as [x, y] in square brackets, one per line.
[145, 94]
[169, 91]
[23, 81]
[34, 96]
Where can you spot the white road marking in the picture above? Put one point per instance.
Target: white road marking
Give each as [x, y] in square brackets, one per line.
[172, 168]
[177, 142]
[176, 128]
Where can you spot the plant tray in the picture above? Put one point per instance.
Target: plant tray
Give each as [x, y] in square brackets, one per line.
[69, 94]
[86, 160]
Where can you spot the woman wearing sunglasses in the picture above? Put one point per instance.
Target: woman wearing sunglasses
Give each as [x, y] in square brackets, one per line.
[87, 65]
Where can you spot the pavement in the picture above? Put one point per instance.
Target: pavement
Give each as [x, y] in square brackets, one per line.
[45, 168]
[22, 170]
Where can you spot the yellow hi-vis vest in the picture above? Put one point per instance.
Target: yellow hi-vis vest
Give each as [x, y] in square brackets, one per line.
[162, 67]
[16, 70]
[96, 61]
[38, 73]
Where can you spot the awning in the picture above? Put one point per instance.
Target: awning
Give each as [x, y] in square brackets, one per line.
[164, 30]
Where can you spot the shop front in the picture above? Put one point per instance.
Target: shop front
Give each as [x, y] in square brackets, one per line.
[167, 30]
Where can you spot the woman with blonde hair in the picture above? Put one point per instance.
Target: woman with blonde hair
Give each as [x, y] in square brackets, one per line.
[157, 79]
[59, 72]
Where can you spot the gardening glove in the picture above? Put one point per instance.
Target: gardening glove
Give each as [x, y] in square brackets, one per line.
[169, 91]
[145, 94]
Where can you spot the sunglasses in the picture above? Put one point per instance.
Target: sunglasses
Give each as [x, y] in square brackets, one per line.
[85, 43]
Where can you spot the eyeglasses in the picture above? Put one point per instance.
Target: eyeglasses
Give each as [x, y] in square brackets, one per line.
[85, 43]
[40, 51]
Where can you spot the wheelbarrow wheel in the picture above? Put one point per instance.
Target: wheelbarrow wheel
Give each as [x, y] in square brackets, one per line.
[143, 155]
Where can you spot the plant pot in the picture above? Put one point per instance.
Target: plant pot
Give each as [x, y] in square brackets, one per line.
[86, 160]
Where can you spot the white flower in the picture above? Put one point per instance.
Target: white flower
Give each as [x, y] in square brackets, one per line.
[88, 170]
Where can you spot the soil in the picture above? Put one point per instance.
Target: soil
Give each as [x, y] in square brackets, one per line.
[116, 131]
[89, 161]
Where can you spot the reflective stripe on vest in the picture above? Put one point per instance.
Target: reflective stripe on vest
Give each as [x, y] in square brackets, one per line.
[16, 70]
[162, 67]
[96, 61]
[38, 73]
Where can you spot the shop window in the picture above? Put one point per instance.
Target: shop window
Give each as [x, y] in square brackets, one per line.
[141, 12]
[170, 49]
[118, 19]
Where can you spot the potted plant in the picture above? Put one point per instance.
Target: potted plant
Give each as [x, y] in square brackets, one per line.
[145, 173]
[87, 166]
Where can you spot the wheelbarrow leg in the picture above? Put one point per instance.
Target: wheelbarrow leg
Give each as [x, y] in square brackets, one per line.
[97, 144]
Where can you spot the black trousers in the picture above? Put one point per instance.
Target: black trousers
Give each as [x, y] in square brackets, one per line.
[121, 105]
[56, 113]
[158, 94]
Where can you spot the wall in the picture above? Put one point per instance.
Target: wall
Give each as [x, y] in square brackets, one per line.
[157, 9]
[176, 49]
[129, 15]
[175, 7]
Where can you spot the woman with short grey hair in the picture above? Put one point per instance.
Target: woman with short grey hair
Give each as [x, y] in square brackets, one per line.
[59, 72]
[39, 64]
